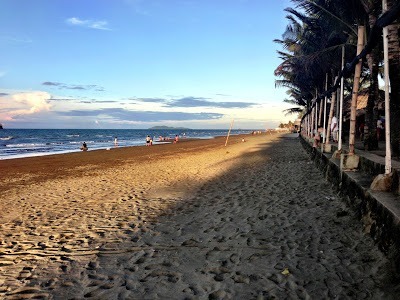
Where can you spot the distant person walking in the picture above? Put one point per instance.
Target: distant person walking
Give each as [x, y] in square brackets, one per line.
[116, 142]
[176, 139]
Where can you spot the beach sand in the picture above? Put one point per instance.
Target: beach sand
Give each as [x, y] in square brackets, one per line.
[193, 220]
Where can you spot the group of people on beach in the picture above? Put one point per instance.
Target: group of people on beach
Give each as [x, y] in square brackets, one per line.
[380, 129]
[149, 141]
[319, 133]
[167, 138]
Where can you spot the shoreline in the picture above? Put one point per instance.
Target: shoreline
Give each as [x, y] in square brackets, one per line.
[110, 147]
[25, 170]
[29, 143]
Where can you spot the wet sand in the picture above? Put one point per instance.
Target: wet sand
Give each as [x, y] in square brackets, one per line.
[193, 220]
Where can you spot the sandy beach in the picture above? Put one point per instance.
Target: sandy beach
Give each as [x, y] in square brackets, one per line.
[193, 220]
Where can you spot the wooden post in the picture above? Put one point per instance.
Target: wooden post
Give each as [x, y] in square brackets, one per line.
[229, 132]
[325, 100]
[316, 118]
[312, 122]
[356, 85]
[340, 117]
[332, 108]
[388, 155]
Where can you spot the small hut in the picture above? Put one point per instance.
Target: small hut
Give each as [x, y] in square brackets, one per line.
[362, 101]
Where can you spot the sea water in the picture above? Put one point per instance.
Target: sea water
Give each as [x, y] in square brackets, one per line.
[16, 143]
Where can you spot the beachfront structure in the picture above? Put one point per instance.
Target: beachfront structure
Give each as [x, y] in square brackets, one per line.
[316, 41]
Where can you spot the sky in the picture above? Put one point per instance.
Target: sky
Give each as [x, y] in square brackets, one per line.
[140, 63]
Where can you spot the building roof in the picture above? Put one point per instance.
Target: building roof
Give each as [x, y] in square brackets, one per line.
[362, 101]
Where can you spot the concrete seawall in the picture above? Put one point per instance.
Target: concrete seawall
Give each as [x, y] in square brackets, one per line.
[379, 212]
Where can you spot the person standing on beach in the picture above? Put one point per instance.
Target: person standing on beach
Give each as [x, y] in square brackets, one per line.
[379, 129]
[176, 139]
[148, 141]
[361, 130]
[334, 129]
[116, 142]
[317, 139]
[84, 147]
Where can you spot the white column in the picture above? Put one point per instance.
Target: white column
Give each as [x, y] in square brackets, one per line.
[341, 106]
[388, 155]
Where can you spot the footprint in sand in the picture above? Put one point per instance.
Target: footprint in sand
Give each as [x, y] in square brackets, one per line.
[25, 274]
[190, 243]
[27, 293]
[93, 265]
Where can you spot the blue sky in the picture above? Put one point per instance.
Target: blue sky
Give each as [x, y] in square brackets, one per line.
[140, 63]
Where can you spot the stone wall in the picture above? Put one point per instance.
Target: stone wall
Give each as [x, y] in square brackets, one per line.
[379, 212]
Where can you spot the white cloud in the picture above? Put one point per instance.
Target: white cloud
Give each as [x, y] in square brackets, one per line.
[76, 21]
[101, 25]
[30, 103]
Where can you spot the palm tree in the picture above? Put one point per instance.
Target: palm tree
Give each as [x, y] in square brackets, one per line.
[291, 70]
[311, 47]
[340, 14]
[313, 50]
[373, 7]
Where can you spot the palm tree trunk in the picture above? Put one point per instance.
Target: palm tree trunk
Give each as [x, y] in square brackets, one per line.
[320, 114]
[356, 84]
[328, 129]
[394, 74]
[371, 113]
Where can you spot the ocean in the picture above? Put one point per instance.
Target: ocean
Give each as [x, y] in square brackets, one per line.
[17, 143]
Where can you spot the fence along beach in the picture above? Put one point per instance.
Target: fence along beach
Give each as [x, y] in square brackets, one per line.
[192, 220]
